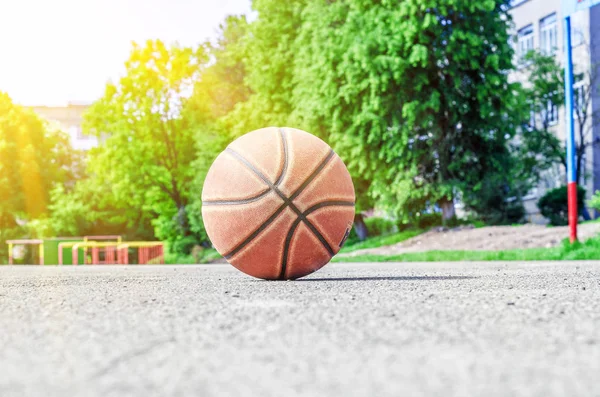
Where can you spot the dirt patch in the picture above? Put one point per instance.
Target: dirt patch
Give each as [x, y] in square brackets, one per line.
[492, 238]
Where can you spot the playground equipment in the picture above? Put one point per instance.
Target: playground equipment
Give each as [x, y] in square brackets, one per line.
[12, 243]
[101, 253]
[102, 238]
[94, 250]
[147, 252]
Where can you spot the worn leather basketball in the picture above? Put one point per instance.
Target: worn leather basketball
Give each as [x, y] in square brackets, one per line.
[278, 203]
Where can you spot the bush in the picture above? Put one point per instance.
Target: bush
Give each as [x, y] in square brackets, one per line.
[554, 205]
[375, 227]
[184, 245]
[495, 201]
[595, 201]
[380, 226]
[426, 221]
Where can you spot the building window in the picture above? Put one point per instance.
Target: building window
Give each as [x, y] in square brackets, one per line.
[550, 113]
[530, 124]
[81, 135]
[548, 35]
[524, 41]
[514, 3]
[578, 95]
[577, 37]
[531, 119]
[77, 133]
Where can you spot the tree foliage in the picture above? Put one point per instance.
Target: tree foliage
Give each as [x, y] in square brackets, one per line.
[545, 90]
[415, 94]
[270, 50]
[554, 205]
[148, 134]
[33, 158]
[220, 88]
[222, 84]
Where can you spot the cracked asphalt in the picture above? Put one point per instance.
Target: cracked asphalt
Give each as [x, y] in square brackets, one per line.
[367, 329]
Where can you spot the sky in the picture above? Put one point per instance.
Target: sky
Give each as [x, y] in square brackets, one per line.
[56, 51]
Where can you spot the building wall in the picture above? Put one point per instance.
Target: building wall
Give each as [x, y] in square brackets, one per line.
[595, 64]
[69, 119]
[531, 13]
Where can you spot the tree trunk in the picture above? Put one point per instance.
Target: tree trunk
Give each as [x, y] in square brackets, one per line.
[360, 227]
[448, 210]
[579, 152]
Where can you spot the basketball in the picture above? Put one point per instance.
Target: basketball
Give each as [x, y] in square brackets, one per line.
[278, 203]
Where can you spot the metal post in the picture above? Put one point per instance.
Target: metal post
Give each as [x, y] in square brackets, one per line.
[571, 171]
[96, 256]
[41, 251]
[10, 254]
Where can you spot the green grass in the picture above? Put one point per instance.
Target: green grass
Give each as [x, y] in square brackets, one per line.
[478, 224]
[597, 220]
[381, 241]
[588, 250]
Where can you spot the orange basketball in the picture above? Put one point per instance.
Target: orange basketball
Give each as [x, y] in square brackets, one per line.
[278, 203]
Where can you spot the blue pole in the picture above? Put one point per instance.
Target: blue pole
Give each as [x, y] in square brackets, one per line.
[571, 171]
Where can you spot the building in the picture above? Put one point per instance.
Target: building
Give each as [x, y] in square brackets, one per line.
[69, 119]
[539, 26]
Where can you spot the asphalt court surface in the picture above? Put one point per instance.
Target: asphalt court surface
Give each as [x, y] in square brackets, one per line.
[367, 329]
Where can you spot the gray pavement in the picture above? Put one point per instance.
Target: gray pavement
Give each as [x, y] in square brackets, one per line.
[455, 329]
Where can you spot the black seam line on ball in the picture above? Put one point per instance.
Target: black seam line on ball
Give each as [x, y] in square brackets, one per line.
[331, 203]
[290, 235]
[285, 157]
[260, 195]
[287, 202]
[252, 236]
[313, 175]
[240, 201]
[286, 248]
[313, 229]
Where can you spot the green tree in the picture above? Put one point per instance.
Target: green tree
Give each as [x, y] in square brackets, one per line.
[90, 209]
[415, 94]
[269, 55]
[148, 135]
[220, 88]
[222, 84]
[34, 157]
[533, 150]
[544, 90]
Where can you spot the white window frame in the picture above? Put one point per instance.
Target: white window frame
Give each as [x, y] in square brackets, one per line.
[548, 34]
[578, 93]
[525, 41]
[551, 109]
[577, 36]
[514, 3]
[531, 124]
